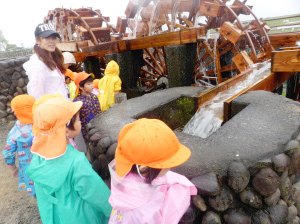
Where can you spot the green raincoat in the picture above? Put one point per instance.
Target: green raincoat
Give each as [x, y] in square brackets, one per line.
[68, 190]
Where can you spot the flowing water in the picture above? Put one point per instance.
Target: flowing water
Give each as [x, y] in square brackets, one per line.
[209, 116]
[155, 3]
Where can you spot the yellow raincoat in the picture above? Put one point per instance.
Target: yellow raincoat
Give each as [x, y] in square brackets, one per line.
[108, 85]
[72, 89]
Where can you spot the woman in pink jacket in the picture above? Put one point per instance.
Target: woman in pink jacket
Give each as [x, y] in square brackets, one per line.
[45, 68]
[143, 190]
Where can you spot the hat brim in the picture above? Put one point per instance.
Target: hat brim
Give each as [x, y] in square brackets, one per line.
[49, 33]
[52, 145]
[123, 166]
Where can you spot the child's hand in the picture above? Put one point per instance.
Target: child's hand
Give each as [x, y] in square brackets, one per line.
[14, 170]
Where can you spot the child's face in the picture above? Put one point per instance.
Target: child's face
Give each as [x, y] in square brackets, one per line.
[77, 127]
[88, 87]
[68, 80]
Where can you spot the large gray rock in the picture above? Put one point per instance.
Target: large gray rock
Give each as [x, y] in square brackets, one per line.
[281, 162]
[238, 176]
[285, 186]
[250, 197]
[266, 181]
[3, 114]
[222, 201]
[292, 213]
[207, 184]
[211, 218]
[2, 106]
[279, 213]
[237, 217]
[110, 153]
[295, 162]
[272, 199]
[199, 202]
[261, 217]
[291, 147]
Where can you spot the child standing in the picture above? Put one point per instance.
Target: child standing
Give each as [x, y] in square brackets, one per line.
[109, 85]
[91, 106]
[67, 188]
[19, 141]
[69, 61]
[143, 190]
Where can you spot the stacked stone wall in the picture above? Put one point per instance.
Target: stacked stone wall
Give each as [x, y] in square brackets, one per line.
[13, 82]
[267, 192]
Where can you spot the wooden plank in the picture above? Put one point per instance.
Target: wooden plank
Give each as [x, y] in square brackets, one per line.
[211, 93]
[242, 61]
[230, 32]
[268, 83]
[121, 24]
[284, 40]
[71, 47]
[131, 9]
[286, 61]
[218, 67]
[211, 9]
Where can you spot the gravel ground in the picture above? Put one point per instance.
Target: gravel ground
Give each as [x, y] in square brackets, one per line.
[16, 206]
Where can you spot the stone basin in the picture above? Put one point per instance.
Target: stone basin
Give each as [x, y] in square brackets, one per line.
[264, 123]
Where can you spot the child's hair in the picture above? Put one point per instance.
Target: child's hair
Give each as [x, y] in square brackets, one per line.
[152, 173]
[89, 79]
[71, 123]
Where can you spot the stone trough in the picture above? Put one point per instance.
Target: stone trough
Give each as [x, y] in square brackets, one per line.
[245, 172]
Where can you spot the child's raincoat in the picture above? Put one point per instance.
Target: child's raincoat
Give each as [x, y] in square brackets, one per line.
[162, 202]
[68, 190]
[18, 142]
[108, 85]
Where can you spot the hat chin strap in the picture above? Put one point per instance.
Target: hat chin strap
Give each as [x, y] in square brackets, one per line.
[138, 170]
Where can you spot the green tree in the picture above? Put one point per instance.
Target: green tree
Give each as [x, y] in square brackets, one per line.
[3, 42]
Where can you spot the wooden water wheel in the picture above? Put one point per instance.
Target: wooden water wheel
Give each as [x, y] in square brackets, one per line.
[245, 43]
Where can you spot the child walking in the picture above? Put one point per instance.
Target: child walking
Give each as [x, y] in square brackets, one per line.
[143, 190]
[19, 141]
[91, 106]
[67, 188]
[109, 85]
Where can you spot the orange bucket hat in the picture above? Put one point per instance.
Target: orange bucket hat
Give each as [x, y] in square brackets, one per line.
[96, 82]
[148, 142]
[50, 119]
[79, 78]
[38, 102]
[22, 106]
[70, 74]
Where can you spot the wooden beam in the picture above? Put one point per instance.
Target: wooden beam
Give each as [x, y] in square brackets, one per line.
[211, 93]
[284, 39]
[268, 83]
[286, 61]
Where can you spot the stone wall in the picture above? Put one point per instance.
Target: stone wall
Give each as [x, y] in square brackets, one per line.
[254, 185]
[13, 81]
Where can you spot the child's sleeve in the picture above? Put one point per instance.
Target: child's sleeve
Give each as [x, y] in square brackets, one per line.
[91, 187]
[10, 149]
[177, 201]
[118, 84]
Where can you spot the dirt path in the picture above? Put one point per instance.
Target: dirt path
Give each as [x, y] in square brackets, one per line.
[16, 206]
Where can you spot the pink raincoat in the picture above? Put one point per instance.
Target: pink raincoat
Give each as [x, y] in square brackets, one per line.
[162, 202]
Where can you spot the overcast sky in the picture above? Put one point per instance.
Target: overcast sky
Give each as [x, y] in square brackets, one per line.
[18, 18]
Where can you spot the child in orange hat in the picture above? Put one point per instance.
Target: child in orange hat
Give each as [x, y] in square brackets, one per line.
[67, 188]
[91, 106]
[19, 141]
[69, 64]
[143, 190]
